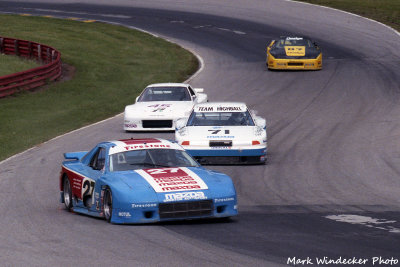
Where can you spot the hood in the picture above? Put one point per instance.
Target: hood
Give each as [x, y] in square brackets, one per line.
[295, 51]
[160, 108]
[175, 184]
[220, 132]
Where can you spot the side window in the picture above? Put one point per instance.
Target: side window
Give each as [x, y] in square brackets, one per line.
[98, 160]
[191, 91]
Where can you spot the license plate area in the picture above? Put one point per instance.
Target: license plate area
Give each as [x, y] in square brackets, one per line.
[220, 143]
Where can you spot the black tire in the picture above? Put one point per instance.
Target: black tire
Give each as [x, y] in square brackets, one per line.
[67, 193]
[107, 205]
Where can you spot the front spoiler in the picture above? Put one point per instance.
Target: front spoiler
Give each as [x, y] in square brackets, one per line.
[231, 156]
[294, 64]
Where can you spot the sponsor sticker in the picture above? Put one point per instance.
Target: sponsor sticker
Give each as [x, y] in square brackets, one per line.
[143, 146]
[145, 205]
[294, 38]
[298, 51]
[130, 125]
[221, 109]
[184, 196]
[217, 200]
[172, 179]
[124, 214]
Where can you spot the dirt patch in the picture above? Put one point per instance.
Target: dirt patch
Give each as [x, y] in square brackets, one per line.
[67, 72]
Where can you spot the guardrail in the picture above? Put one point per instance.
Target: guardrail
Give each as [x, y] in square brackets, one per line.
[32, 78]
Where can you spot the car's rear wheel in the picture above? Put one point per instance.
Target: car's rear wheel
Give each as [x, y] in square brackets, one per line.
[67, 192]
[107, 204]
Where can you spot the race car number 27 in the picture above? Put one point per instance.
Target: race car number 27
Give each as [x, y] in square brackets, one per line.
[162, 171]
[87, 188]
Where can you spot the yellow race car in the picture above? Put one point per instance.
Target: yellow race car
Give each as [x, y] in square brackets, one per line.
[294, 53]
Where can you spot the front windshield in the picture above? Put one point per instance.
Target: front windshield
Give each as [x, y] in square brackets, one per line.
[294, 42]
[165, 94]
[150, 158]
[220, 119]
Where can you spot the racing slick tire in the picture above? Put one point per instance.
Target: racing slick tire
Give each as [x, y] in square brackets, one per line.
[107, 205]
[67, 193]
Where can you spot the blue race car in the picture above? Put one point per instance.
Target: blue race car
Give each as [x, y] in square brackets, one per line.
[144, 181]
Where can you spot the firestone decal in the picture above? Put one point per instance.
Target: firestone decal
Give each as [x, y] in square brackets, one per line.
[133, 147]
[147, 205]
[184, 196]
[217, 200]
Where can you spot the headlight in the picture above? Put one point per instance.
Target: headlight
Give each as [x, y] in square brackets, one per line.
[277, 53]
[312, 53]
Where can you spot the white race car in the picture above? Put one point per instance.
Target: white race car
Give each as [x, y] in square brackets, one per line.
[160, 105]
[223, 133]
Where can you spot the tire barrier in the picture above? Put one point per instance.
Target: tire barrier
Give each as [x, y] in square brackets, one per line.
[32, 78]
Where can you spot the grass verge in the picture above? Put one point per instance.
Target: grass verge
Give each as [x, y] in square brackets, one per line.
[11, 64]
[112, 65]
[385, 11]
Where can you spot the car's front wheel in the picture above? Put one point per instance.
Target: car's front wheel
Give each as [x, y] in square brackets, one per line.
[67, 192]
[107, 204]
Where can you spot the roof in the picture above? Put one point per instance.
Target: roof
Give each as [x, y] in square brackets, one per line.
[139, 144]
[168, 85]
[221, 107]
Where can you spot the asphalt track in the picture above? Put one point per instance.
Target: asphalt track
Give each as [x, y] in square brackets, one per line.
[334, 152]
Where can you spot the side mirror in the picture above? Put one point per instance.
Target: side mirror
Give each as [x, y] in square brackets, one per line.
[180, 123]
[199, 90]
[136, 99]
[253, 112]
[202, 98]
[271, 44]
[260, 122]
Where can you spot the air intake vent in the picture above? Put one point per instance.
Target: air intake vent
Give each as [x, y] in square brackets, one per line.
[157, 123]
[185, 209]
[295, 64]
[221, 143]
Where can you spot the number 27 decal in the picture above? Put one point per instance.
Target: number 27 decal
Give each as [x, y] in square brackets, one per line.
[159, 171]
[87, 187]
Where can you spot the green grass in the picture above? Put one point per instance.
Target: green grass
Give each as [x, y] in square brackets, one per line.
[11, 64]
[112, 65]
[385, 11]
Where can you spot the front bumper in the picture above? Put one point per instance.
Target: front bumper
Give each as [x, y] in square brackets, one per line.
[294, 64]
[189, 210]
[229, 156]
[164, 124]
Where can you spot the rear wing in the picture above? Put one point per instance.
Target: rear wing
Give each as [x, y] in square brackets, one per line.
[75, 155]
